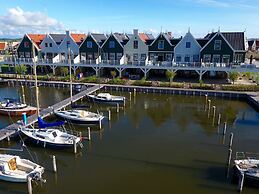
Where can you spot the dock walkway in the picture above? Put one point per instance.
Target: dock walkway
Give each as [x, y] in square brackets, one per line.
[12, 129]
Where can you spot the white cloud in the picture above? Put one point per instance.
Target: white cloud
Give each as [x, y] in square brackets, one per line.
[17, 22]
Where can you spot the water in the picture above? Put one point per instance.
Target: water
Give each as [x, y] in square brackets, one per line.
[158, 144]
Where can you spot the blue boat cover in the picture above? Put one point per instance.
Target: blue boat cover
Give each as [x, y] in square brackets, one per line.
[43, 124]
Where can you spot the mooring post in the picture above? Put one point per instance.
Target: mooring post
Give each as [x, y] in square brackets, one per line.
[219, 118]
[124, 102]
[225, 128]
[231, 140]
[229, 156]
[29, 184]
[214, 111]
[24, 118]
[75, 146]
[89, 133]
[100, 124]
[54, 163]
[109, 115]
[209, 101]
[206, 99]
[118, 107]
[129, 96]
[134, 92]
[241, 182]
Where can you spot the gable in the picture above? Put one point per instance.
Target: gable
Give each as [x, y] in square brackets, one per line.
[188, 40]
[72, 45]
[95, 47]
[117, 49]
[167, 45]
[47, 40]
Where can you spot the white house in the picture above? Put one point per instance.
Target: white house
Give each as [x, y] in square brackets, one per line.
[187, 50]
[50, 45]
[136, 49]
[72, 41]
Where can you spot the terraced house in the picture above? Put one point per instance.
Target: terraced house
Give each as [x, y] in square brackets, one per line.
[224, 48]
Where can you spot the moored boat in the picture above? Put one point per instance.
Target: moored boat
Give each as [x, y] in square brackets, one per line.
[106, 98]
[81, 117]
[15, 169]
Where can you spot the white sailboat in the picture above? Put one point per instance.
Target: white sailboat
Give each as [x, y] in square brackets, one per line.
[15, 169]
[47, 135]
[107, 98]
[78, 116]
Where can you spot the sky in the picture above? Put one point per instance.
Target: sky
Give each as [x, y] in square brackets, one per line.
[18, 17]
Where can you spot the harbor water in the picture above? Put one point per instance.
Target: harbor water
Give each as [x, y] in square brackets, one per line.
[156, 144]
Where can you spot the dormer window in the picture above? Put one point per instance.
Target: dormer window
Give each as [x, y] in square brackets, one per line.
[217, 45]
[161, 44]
[111, 44]
[89, 44]
[188, 45]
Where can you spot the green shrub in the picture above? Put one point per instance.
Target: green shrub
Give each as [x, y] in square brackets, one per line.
[117, 81]
[142, 82]
[90, 79]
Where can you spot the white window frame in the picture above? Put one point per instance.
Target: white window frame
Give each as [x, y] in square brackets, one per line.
[89, 44]
[187, 56]
[178, 57]
[111, 45]
[216, 57]
[226, 57]
[143, 57]
[168, 57]
[135, 57]
[26, 44]
[217, 45]
[111, 56]
[186, 45]
[136, 44]
[161, 43]
[205, 57]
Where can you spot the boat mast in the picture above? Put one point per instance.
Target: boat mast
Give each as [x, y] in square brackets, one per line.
[36, 81]
[70, 76]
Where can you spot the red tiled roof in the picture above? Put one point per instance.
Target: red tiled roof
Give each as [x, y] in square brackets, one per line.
[2, 46]
[257, 43]
[78, 38]
[143, 37]
[37, 38]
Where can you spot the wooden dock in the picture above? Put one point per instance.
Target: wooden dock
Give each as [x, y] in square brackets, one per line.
[12, 129]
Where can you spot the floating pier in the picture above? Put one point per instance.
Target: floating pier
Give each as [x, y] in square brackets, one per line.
[10, 130]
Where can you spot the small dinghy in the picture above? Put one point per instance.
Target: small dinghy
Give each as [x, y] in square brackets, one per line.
[106, 98]
[48, 136]
[14, 108]
[81, 117]
[16, 169]
[249, 166]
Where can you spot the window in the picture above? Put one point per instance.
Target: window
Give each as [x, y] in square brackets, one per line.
[119, 55]
[143, 57]
[68, 43]
[27, 55]
[21, 54]
[178, 58]
[50, 44]
[188, 45]
[196, 58]
[135, 44]
[89, 44]
[168, 57]
[216, 59]
[161, 44]
[26, 44]
[217, 45]
[111, 44]
[54, 134]
[207, 58]
[46, 44]
[226, 59]
[187, 59]
[112, 56]
[238, 58]
[135, 57]
[152, 56]
[89, 56]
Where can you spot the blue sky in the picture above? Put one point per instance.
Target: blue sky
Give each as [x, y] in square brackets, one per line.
[202, 16]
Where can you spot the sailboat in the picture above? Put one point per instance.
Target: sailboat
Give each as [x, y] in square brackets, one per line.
[106, 98]
[15, 169]
[13, 107]
[78, 116]
[48, 135]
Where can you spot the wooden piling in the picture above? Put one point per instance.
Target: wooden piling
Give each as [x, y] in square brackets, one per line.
[229, 156]
[89, 133]
[29, 179]
[209, 102]
[100, 124]
[214, 111]
[118, 107]
[109, 115]
[241, 182]
[219, 118]
[231, 140]
[225, 128]
[134, 92]
[75, 146]
[129, 96]
[54, 163]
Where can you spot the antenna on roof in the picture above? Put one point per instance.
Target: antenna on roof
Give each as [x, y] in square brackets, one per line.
[219, 29]
[161, 30]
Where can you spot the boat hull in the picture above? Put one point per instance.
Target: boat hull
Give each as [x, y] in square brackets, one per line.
[98, 100]
[13, 179]
[249, 180]
[18, 112]
[78, 122]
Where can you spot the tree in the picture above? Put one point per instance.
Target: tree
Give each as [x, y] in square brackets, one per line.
[64, 71]
[233, 76]
[20, 69]
[113, 74]
[170, 75]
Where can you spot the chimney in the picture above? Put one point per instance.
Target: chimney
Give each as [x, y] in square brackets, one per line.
[170, 34]
[67, 32]
[135, 32]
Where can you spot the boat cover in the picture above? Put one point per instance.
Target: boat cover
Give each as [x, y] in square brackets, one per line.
[43, 124]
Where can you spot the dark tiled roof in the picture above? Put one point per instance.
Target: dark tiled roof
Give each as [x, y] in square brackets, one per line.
[100, 38]
[235, 39]
[250, 43]
[202, 42]
[175, 41]
[58, 38]
[149, 42]
[122, 38]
